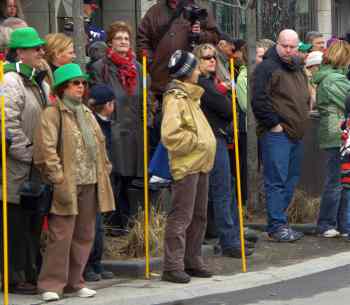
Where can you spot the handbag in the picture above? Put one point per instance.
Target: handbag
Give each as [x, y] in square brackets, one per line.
[36, 196]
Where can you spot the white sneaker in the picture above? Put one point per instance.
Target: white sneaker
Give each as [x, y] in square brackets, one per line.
[156, 179]
[49, 296]
[344, 235]
[330, 233]
[85, 293]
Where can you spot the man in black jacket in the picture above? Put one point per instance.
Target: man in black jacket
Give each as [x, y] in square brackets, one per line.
[280, 103]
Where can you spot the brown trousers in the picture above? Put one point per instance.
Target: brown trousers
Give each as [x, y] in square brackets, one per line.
[69, 244]
[186, 223]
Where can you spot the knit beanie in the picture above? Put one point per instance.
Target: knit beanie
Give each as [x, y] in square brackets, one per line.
[314, 58]
[181, 64]
[101, 94]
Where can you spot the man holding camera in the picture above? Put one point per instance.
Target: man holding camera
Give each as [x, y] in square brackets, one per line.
[168, 26]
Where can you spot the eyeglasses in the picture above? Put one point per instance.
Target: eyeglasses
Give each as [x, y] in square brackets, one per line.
[210, 57]
[78, 82]
[39, 49]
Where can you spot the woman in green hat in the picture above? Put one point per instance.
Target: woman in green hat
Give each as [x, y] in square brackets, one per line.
[70, 152]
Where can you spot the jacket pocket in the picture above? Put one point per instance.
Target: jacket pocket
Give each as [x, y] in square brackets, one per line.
[62, 194]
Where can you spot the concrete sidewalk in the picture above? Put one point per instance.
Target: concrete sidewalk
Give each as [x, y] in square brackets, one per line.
[271, 262]
[152, 292]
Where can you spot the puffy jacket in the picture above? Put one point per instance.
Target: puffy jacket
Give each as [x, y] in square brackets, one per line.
[332, 89]
[280, 95]
[24, 101]
[186, 132]
[159, 49]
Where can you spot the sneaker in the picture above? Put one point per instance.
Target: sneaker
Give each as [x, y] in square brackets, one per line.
[179, 277]
[285, 234]
[85, 293]
[156, 179]
[251, 235]
[92, 276]
[330, 233]
[236, 252]
[204, 273]
[346, 235]
[107, 275]
[249, 244]
[49, 296]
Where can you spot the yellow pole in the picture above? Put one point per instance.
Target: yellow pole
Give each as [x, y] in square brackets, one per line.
[238, 169]
[145, 149]
[4, 189]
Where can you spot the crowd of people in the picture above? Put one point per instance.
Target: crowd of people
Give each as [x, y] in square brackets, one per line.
[82, 133]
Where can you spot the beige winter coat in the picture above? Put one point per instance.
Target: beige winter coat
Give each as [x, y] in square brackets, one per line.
[58, 166]
[24, 102]
[186, 132]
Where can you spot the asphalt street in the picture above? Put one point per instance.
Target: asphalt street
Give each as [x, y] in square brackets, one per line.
[331, 287]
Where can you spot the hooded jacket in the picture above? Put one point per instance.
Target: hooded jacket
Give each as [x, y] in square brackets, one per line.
[186, 132]
[280, 95]
[332, 89]
[159, 49]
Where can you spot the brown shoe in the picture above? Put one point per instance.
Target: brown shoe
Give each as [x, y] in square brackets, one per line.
[204, 273]
[23, 288]
[180, 277]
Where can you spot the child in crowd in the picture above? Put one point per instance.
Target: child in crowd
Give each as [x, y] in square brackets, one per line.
[345, 160]
[102, 102]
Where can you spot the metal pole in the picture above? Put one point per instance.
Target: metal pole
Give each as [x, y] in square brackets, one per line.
[4, 187]
[145, 150]
[79, 33]
[238, 170]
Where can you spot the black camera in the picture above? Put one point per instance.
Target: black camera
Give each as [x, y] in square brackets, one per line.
[194, 13]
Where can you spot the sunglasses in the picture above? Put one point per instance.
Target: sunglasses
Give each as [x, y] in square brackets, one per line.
[39, 49]
[209, 57]
[78, 82]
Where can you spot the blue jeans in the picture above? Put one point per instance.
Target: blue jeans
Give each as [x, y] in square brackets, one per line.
[282, 164]
[94, 262]
[334, 207]
[222, 198]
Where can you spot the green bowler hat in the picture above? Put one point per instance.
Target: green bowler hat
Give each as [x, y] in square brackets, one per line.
[25, 38]
[66, 73]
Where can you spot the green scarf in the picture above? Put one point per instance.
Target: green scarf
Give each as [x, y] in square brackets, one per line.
[77, 108]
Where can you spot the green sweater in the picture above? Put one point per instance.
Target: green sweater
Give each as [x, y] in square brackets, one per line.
[242, 88]
[332, 89]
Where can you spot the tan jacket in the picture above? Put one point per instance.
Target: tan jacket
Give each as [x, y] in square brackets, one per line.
[24, 102]
[58, 167]
[186, 132]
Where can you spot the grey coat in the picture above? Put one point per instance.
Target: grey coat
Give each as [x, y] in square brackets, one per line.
[23, 105]
[127, 127]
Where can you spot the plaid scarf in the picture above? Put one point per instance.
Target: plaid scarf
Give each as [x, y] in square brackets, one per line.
[126, 71]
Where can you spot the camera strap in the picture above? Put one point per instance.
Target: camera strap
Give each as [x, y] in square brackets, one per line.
[177, 14]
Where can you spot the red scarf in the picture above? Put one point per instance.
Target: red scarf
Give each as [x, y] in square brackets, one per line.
[126, 71]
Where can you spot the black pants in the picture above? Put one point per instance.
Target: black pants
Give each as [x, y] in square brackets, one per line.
[24, 230]
[94, 263]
